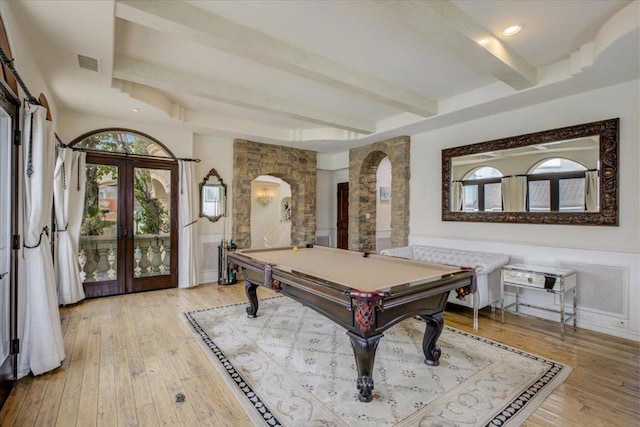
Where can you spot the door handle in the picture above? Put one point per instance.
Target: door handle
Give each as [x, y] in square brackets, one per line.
[3, 274]
[130, 234]
[120, 234]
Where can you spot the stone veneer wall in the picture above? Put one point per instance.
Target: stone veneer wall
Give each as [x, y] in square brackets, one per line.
[363, 164]
[296, 167]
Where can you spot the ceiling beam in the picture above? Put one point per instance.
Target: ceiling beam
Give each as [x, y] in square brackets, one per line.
[190, 22]
[443, 21]
[167, 79]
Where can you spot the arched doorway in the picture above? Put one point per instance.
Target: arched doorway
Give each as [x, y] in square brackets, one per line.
[270, 212]
[363, 165]
[128, 238]
[383, 205]
[294, 166]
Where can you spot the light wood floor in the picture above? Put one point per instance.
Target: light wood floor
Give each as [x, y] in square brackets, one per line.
[130, 357]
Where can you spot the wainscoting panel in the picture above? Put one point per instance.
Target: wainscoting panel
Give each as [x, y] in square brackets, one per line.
[209, 262]
[323, 240]
[383, 243]
[602, 289]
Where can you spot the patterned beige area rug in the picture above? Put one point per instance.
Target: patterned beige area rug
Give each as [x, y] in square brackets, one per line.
[293, 367]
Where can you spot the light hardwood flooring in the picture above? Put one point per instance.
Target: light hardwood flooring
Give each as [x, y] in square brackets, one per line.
[131, 358]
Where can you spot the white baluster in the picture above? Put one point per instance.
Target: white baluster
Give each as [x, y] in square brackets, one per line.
[111, 258]
[137, 255]
[167, 256]
[144, 260]
[91, 265]
[156, 262]
[163, 254]
[82, 260]
[103, 264]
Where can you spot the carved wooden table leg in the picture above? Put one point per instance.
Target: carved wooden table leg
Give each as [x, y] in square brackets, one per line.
[364, 350]
[435, 324]
[250, 290]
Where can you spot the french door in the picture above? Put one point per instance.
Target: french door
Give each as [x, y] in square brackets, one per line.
[128, 240]
[8, 249]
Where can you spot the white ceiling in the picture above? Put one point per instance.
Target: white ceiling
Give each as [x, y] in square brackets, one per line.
[325, 75]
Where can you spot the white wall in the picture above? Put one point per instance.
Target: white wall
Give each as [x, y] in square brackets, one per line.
[25, 62]
[325, 205]
[383, 207]
[72, 125]
[542, 244]
[216, 153]
[327, 199]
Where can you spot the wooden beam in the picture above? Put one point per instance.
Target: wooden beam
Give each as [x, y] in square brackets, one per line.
[190, 22]
[442, 21]
[164, 78]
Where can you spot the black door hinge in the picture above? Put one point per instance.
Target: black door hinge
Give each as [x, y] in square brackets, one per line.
[15, 346]
[16, 241]
[17, 137]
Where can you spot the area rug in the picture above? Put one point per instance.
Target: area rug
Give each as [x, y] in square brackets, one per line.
[293, 367]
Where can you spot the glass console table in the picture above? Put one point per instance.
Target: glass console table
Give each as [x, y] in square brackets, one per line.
[537, 278]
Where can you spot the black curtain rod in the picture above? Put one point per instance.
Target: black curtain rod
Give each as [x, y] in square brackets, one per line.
[511, 176]
[9, 64]
[141, 156]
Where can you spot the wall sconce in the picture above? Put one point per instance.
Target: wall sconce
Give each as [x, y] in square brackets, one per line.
[265, 196]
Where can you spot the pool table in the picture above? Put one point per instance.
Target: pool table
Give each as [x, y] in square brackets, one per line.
[364, 293]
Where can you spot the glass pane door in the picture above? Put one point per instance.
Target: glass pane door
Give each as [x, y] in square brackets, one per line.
[5, 238]
[152, 221]
[101, 232]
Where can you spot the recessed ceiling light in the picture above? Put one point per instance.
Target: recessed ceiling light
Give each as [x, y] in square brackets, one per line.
[513, 30]
[135, 110]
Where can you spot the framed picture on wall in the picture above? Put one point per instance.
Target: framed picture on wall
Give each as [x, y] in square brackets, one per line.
[385, 194]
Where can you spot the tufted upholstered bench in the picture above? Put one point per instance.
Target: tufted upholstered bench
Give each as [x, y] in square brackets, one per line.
[485, 265]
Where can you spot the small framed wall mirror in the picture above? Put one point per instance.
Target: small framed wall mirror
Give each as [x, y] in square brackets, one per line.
[213, 196]
[559, 176]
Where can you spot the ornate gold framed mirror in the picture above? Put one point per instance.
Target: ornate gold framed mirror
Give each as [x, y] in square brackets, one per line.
[213, 196]
[560, 176]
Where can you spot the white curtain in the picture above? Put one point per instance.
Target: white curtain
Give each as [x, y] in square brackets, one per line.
[68, 191]
[591, 186]
[42, 347]
[188, 234]
[457, 197]
[514, 193]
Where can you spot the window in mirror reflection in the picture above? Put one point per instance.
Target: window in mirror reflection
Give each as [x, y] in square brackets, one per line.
[561, 185]
[482, 191]
[211, 200]
[552, 185]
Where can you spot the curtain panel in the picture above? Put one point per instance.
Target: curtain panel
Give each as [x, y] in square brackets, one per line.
[457, 197]
[591, 185]
[69, 192]
[188, 263]
[514, 194]
[42, 347]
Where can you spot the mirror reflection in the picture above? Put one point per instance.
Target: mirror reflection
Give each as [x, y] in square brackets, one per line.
[212, 200]
[213, 196]
[559, 176]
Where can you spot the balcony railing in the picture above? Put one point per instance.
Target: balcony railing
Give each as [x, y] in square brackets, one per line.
[98, 256]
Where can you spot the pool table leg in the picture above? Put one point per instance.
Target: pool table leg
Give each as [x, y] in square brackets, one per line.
[364, 350]
[435, 324]
[250, 290]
